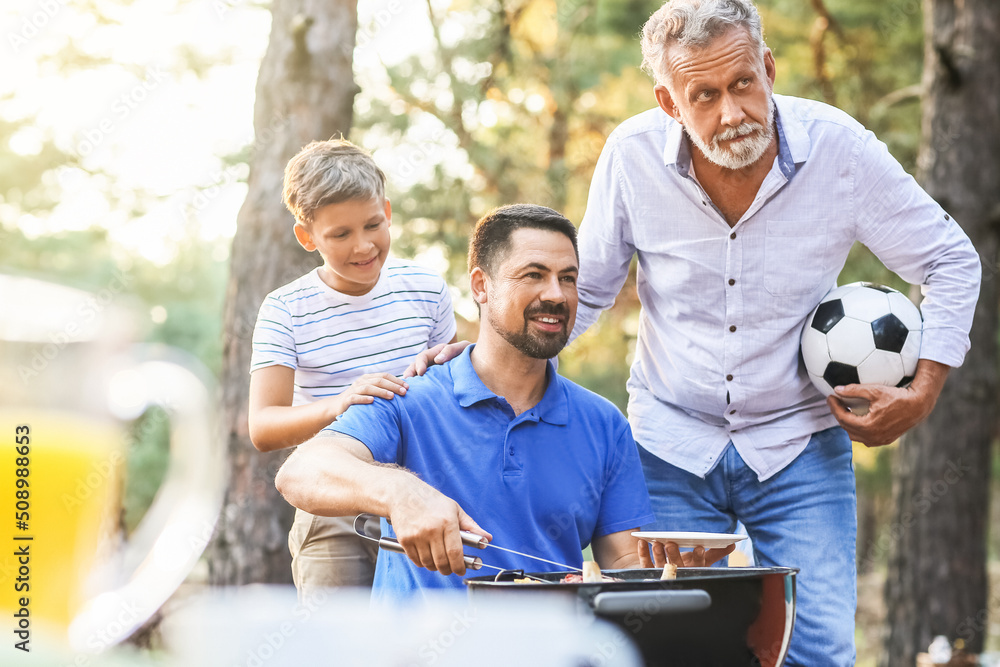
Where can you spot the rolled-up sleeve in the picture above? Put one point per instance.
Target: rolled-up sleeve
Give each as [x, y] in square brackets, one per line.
[914, 237]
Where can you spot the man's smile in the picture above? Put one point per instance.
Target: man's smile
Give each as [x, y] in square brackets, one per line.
[550, 323]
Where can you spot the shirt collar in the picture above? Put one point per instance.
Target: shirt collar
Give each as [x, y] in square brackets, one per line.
[469, 390]
[793, 142]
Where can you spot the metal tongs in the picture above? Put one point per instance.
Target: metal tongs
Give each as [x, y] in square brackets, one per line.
[364, 523]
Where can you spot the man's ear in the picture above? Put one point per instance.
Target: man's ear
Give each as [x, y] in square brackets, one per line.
[388, 212]
[303, 236]
[666, 102]
[770, 68]
[478, 284]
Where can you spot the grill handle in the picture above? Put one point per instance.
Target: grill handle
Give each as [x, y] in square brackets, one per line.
[652, 602]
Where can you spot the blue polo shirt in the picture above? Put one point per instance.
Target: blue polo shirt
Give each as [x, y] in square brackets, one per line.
[545, 482]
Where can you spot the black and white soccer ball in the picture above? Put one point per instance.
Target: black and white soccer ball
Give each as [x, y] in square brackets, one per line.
[862, 333]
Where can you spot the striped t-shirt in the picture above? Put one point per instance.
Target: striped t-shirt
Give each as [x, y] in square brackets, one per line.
[330, 339]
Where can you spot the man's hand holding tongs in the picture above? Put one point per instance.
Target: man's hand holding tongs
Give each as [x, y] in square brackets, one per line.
[427, 525]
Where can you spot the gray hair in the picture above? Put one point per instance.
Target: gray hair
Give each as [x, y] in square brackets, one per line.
[693, 23]
[330, 172]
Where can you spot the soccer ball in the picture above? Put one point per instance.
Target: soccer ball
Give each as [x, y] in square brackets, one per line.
[862, 333]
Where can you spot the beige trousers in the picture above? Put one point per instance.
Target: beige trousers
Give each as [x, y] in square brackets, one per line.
[326, 552]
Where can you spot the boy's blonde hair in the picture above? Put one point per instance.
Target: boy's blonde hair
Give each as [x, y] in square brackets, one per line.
[329, 172]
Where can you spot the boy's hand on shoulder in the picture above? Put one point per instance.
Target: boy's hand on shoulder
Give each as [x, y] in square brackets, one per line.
[439, 354]
[365, 389]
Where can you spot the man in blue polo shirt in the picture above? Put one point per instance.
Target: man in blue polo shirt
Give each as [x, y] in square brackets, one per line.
[494, 442]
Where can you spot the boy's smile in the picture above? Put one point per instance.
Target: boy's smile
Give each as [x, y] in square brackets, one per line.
[352, 237]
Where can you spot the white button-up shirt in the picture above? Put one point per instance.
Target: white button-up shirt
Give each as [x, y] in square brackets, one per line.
[717, 357]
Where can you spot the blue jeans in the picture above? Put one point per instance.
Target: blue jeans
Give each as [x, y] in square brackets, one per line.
[804, 516]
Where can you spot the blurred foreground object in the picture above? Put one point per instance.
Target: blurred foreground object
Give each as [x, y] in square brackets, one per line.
[269, 625]
[70, 379]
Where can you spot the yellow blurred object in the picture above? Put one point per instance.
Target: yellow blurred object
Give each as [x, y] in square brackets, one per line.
[60, 516]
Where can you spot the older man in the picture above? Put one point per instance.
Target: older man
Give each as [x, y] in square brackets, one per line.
[494, 442]
[742, 206]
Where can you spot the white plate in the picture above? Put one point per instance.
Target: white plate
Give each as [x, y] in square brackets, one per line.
[707, 540]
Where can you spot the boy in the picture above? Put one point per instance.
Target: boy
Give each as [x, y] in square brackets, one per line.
[339, 335]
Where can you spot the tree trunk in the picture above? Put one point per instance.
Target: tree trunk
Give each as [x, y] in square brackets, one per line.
[937, 583]
[305, 91]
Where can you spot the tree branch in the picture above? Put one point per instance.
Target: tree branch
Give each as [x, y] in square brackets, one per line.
[824, 23]
[457, 124]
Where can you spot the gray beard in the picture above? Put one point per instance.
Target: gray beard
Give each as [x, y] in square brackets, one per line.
[746, 152]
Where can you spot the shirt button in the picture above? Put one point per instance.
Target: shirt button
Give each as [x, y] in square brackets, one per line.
[729, 378]
[732, 412]
[947, 217]
[733, 235]
[732, 328]
[732, 282]
[511, 451]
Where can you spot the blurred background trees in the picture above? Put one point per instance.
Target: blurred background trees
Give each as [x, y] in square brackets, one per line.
[466, 104]
[943, 466]
[305, 91]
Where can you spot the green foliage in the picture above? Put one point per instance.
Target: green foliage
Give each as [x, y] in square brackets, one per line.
[26, 177]
[873, 59]
[863, 265]
[518, 108]
[146, 466]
